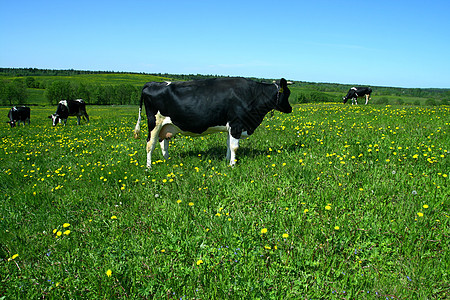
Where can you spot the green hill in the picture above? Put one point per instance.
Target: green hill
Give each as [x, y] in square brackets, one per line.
[100, 87]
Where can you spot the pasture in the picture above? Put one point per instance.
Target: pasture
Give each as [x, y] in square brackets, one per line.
[331, 201]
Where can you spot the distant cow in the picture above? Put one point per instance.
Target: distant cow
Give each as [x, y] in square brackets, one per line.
[68, 108]
[356, 92]
[17, 114]
[196, 108]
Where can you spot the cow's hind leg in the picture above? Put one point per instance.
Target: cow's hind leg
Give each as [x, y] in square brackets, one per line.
[165, 148]
[367, 99]
[151, 143]
[78, 120]
[153, 135]
[167, 132]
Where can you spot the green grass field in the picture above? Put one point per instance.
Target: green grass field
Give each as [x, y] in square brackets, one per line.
[329, 202]
[37, 97]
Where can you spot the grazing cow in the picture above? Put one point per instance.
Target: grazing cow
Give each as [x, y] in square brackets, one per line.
[68, 108]
[17, 114]
[196, 108]
[354, 93]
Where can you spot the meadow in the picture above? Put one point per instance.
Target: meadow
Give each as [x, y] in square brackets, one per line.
[330, 202]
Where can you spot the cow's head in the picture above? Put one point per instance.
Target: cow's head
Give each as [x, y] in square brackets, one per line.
[283, 93]
[55, 119]
[12, 123]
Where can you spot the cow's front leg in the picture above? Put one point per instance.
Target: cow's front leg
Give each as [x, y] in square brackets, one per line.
[228, 147]
[78, 120]
[232, 146]
[367, 99]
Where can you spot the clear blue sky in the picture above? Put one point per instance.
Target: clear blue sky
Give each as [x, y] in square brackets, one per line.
[385, 43]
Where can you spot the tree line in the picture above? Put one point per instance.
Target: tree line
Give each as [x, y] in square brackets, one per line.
[15, 92]
[24, 72]
[121, 94]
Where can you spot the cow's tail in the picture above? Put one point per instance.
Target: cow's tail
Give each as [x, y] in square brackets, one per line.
[137, 129]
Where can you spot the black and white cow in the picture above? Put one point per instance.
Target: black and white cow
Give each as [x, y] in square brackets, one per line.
[356, 92]
[17, 114]
[196, 108]
[68, 108]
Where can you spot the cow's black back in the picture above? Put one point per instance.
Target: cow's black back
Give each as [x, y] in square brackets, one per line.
[195, 106]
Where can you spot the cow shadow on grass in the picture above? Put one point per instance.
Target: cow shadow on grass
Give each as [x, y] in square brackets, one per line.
[219, 152]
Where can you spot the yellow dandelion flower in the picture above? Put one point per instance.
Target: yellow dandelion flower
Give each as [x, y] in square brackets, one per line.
[199, 262]
[109, 273]
[306, 210]
[191, 203]
[59, 233]
[13, 257]
[328, 207]
[55, 230]
[264, 230]
[420, 214]
[336, 227]
[425, 206]
[113, 217]
[285, 235]
[67, 232]
[178, 201]
[66, 225]
[267, 247]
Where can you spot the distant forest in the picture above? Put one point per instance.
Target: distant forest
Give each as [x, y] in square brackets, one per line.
[18, 85]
